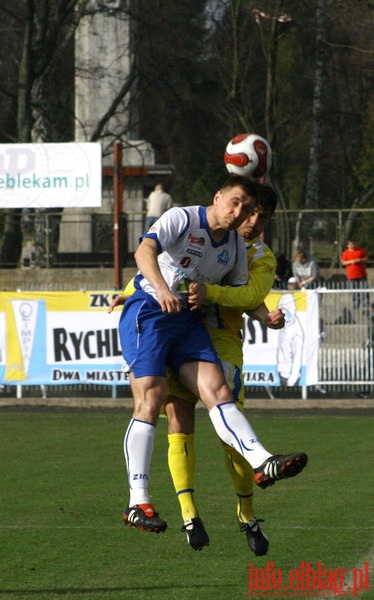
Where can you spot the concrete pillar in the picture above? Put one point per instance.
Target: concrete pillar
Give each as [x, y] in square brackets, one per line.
[102, 63]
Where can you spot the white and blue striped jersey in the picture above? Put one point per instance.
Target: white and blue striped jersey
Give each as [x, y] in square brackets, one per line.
[187, 251]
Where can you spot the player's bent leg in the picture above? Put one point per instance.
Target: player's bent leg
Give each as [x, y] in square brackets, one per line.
[207, 381]
[234, 429]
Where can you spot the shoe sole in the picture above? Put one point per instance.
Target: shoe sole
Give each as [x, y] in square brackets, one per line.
[151, 529]
[291, 468]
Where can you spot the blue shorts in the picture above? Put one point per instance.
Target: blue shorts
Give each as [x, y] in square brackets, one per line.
[152, 340]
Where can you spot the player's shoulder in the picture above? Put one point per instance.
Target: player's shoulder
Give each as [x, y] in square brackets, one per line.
[184, 219]
[187, 211]
[190, 208]
[177, 215]
[259, 249]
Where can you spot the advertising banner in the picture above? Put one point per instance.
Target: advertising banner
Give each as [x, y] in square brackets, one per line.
[50, 175]
[57, 338]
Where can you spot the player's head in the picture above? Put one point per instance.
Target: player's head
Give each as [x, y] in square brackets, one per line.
[256, 222]
[249, 186]
[267, 197]
[232, 204]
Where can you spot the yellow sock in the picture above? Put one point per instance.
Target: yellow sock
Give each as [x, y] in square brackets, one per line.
[241, 474]
[181, 459]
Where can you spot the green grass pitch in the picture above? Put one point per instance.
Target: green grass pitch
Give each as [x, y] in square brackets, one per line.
[63, 490]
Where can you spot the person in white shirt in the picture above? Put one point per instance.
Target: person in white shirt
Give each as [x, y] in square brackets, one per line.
[157, 203]
[306, 270]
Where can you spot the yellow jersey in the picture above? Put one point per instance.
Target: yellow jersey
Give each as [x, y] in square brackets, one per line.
[225, 319]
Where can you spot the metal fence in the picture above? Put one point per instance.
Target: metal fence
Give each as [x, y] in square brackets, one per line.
[43, 231]
[346, 354]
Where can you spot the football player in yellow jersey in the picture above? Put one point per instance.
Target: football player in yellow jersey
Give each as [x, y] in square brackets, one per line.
[224, 323]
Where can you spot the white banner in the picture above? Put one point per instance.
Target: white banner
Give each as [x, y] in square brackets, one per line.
[288, 356]
[50, 175]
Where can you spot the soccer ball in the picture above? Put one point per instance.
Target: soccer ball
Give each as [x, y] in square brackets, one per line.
[248, 154]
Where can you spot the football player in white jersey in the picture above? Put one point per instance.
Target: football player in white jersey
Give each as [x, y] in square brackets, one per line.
[158, 331]
[224, 319]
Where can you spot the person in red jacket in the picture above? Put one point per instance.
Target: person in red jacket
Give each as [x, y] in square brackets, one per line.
[354, 260]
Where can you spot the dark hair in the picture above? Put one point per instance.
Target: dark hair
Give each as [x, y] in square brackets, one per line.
[267, 198]
[250, 187]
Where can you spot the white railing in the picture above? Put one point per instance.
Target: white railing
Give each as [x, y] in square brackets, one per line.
[346, 352]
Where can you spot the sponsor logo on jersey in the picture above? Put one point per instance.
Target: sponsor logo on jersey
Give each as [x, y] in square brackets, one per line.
[194, 252]
[199, 241]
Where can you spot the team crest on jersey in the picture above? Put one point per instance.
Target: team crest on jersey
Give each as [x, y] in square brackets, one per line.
[199, 241]
[223, 257]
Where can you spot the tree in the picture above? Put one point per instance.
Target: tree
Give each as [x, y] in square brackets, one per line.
[298, 73]
[311, 197]
[45, 38]
[45, 28]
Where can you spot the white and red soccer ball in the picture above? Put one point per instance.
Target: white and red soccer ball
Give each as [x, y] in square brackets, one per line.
[248, 154]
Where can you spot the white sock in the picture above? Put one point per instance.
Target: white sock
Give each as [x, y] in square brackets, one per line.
[234, 429]
[138, 448]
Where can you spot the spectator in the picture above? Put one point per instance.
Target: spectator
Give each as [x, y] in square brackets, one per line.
[306, 270]
[293, 284]
[283, 272]
[354, 259]
[157, 203]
